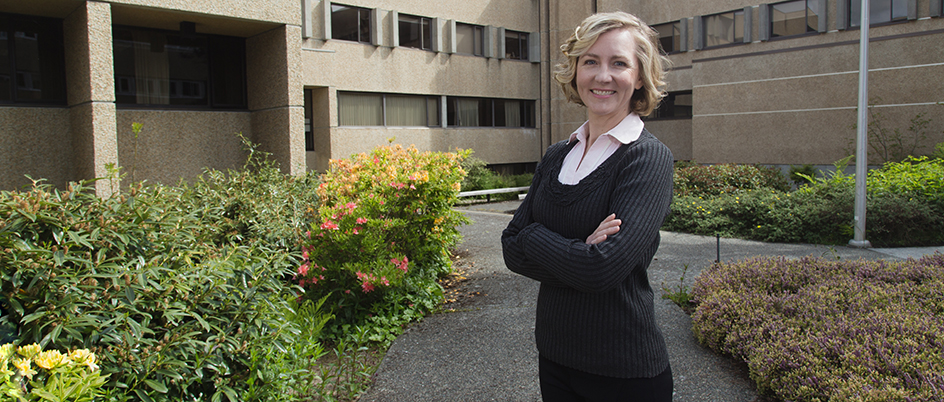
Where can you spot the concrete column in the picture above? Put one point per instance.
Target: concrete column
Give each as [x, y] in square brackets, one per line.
[90, 79]
[764, 24]
[276, 95]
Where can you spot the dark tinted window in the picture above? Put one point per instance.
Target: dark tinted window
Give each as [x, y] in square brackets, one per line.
[168, 68]
[350, 23]
[415, 32]
[32, 62]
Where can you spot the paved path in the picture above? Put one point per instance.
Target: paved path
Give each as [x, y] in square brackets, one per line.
[484, 350]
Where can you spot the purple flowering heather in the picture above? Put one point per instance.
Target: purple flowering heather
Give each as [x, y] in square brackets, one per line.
[823, 330]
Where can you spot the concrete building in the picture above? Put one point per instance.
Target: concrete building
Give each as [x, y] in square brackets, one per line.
[312, 80]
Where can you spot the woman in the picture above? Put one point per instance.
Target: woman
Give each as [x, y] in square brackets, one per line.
[589, 226]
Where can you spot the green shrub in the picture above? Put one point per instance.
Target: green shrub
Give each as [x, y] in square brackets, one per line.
[825, 330]
[799, 174]
[706, 181]
[170, 316]
[178, 290]
[383, 235]
[480, 177]
[905, 207]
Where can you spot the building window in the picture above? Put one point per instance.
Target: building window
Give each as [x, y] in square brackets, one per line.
[487, 112]
[724, 29]
[793, 18]
[350, 23]
[670, 37]
[516, 45]
[32, 61]
[309, 130]
[470, 39]
[392, 110]
[675, 105]
[880, 11]
[415, 32]
[165, 68]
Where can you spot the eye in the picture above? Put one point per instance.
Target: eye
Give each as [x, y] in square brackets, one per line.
[621, 64]
[589, 62]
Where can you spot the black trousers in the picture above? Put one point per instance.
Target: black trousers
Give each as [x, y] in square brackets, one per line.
[564, 384]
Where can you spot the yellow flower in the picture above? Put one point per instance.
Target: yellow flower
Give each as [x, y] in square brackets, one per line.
[6, 352]
[29, 351]
[49, 359]
[24, 366]
[83, 356]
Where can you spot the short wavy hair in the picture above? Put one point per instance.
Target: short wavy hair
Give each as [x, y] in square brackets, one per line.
[651, 68]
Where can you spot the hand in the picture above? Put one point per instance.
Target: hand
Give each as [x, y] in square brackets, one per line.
[608, 227]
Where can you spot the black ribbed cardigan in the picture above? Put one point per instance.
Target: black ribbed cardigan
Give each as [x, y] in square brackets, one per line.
[595, 305]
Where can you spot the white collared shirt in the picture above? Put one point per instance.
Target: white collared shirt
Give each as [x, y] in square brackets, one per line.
[574, 169]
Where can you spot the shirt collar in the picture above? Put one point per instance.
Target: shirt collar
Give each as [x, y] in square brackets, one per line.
[625, 132]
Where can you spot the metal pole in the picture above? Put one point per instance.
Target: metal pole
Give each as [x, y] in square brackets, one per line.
[862, 131]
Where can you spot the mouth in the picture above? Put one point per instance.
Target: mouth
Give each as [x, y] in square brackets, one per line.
[602, 92]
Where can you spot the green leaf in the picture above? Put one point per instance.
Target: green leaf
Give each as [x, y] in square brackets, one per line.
[171, 374]
[142, 395]
[59, 257]
[157, 386]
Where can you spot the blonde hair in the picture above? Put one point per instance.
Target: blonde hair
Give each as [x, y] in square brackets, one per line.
[651, 68]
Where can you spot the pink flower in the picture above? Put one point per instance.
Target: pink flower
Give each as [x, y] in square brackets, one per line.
[361, 220]
[350, 206]
[412, 187]
[367, 287]
[305, 252]
[303, 270]
[328, 225]
[401, 265]
[355, 230]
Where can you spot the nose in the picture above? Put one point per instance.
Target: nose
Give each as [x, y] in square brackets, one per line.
[604, 74]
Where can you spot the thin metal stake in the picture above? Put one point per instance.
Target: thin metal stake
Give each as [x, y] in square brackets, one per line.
[718, 241]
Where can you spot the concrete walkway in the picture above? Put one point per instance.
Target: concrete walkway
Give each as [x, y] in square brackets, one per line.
[484, 349]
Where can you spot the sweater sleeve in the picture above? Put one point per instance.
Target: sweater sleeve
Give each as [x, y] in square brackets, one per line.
[641, 200]
[515, 258]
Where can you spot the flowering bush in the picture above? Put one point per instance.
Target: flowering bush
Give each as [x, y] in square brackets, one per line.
[820, 330]
[383, 233]
[73, 376]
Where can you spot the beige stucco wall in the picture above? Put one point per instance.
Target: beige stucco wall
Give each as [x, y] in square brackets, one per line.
[180, 144]
[764, 103]
[216, 14]
[488, 144]
[35, 142]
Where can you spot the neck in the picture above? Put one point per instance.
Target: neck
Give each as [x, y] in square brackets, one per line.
[597, 125]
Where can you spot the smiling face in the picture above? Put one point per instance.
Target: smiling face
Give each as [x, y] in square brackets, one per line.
[607, 76]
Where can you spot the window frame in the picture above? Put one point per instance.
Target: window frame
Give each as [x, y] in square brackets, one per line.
[432, 103]
[676, 36]
[478, 39]
[364, 33]
[667, 108]
[425, 28]
[523, 45]
[526, 108]
[51, 52]
[855, 21]
[213, 66]
[738, 30]
[811, 27]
